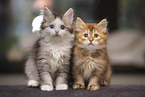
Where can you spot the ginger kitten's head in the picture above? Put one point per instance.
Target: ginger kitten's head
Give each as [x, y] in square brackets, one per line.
[91, 35]
[55, 25]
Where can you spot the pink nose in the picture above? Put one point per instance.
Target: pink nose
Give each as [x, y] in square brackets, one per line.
[90, 40]
[56, 32]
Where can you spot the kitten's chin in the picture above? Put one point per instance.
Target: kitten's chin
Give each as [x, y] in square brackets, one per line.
[56, 36]
[92, 46]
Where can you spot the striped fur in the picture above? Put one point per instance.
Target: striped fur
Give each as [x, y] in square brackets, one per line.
[48, 63]
[91, 61]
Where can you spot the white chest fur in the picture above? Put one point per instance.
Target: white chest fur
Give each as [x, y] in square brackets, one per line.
[89, 65]
[56, 54]
[56, 57]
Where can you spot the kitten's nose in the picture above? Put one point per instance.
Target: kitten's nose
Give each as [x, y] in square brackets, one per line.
[56, 32]
[91, 39]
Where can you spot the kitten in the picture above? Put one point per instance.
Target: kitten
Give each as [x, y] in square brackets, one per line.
[48, 63]
[91, 61]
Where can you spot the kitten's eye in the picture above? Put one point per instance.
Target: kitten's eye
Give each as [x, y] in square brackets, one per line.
[62, 27]
[85, 35]
[95, 35]
[51, 26]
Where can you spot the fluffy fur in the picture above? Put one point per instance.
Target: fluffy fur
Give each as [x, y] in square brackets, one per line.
[91, 63]
[48, 63]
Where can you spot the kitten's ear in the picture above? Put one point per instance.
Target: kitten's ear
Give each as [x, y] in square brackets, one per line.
[68, 16]
[47, 14]
[79, 23]
[103, 25]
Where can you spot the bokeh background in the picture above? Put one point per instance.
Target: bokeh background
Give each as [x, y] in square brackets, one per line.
[126, 40]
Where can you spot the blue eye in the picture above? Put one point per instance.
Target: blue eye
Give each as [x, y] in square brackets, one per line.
[62, 27]
[51, 26]
[95, 35]
[86, 35]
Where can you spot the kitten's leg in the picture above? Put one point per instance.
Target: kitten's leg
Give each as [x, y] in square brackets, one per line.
[32, 73]
[78, 80]
[106, 79]
[93, 83]
[61, 80]
[45, 76]
[46, 84]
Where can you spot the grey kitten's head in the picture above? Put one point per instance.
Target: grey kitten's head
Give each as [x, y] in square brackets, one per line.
[55, 25]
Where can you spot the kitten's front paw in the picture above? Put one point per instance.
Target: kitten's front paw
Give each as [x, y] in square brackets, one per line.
[105, 83]
[33, 83]
[93, 87]
[61, 87]
[78, 86]
[46, 88]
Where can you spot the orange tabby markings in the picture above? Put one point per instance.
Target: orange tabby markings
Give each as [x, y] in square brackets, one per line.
[91, 60]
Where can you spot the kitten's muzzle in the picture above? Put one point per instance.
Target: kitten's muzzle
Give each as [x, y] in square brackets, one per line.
[56, 33]
[91, 39]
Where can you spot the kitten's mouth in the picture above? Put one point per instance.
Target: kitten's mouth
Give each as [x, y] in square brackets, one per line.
[56, 35]
[91, 43]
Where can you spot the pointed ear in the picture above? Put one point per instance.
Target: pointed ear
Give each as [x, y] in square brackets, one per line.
[47, 14]
[103, 25]
[68, 16]
[79, 23]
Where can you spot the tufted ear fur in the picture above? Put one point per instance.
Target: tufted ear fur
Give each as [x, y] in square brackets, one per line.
[47, 14]
[103, 25]
[68, 16]
[79, 23]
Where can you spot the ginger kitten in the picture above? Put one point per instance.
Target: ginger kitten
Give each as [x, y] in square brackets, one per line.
[48, 64]
[91, 63]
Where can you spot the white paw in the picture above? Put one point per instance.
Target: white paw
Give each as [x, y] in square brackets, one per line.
[61, 87]
[33, 83]
[46, 88]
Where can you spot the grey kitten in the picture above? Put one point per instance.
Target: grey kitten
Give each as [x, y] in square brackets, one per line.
[48, 63]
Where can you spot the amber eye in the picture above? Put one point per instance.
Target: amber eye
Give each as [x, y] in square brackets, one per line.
[85, 35]
[95, 35]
